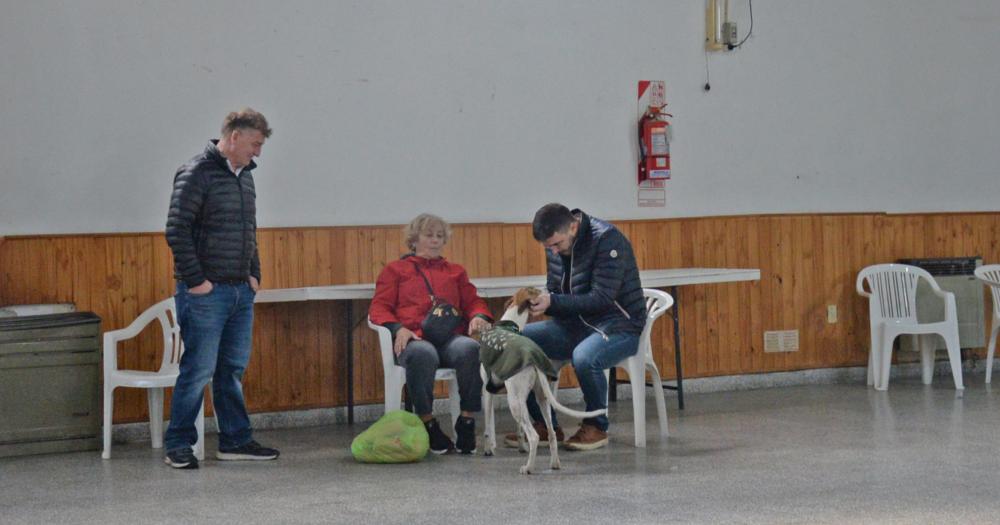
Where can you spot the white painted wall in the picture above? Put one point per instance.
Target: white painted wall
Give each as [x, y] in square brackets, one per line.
[484, 110]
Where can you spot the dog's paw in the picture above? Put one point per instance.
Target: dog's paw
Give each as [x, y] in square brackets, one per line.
[487, 452]
[554, 464]
[525, 470]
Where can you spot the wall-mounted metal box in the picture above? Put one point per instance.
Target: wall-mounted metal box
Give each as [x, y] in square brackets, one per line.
[50, 368]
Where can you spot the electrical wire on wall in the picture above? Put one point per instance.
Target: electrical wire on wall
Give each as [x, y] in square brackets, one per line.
[749, 32]
[708, 83]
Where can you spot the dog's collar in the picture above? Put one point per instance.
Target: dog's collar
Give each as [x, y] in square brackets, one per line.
[510, 326]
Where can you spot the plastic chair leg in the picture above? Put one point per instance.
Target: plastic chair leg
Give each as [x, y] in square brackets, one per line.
[874, 357]
[394, 392]
[884, 360]
[455, 400]
[661, 403]
[955, 357]
[992, 349]
[154, 398]
[637, 376]
[109, 404]
[607, 397]
[926, 348]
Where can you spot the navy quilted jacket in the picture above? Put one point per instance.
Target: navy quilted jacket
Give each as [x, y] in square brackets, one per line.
[598, 283]
[212, 222]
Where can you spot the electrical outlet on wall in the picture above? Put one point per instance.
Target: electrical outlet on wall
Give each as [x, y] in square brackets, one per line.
[831, 313]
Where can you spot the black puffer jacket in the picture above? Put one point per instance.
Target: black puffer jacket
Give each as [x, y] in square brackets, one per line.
[212, 222]
[598, 283]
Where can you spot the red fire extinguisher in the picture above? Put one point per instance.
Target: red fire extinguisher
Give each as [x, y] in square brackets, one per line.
[654, 144]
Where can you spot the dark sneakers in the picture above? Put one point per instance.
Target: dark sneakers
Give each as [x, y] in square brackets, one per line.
[465, 435]
[251, 451]
[440, 443]
[183, 459]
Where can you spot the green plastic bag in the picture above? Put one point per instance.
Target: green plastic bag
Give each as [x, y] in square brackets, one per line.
[397, 437]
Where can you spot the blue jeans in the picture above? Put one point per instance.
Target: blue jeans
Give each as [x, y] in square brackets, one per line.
[217, 328]
[591, 355]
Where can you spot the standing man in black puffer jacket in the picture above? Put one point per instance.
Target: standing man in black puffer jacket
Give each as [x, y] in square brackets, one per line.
[212, 231]
[598, 311]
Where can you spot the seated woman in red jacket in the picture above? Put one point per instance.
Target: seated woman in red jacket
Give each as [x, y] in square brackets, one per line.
[401, 302]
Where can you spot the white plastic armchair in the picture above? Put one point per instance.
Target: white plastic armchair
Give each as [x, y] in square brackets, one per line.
[892, 311]
[154, 382]
[990, 275]
[395, 376]
[657, 304]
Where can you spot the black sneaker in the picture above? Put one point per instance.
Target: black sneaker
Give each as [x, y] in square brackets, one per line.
[465, 435]
[182, 458]
[251, 451]
[440, 443]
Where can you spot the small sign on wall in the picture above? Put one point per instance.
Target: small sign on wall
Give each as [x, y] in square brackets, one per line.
[652, 194]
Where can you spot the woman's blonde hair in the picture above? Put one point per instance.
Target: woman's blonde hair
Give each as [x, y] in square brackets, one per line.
[424, 222]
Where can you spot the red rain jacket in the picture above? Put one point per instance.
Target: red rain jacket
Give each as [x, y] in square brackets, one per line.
[401, 296]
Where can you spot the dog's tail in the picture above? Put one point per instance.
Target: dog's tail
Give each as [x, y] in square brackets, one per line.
[544, 381]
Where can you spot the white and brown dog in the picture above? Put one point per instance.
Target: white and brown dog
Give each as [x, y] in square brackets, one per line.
[518, 363]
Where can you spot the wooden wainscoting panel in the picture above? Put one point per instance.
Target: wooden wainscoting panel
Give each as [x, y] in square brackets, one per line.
[807, 262]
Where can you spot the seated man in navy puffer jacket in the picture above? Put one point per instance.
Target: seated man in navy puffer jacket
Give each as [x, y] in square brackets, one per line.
[596, 305]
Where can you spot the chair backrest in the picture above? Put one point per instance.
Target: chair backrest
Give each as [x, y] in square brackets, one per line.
[893, 290]
[990, 274]
[173, 346]
[657, 304]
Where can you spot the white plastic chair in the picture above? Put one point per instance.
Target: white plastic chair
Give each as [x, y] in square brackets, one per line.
[395, 376]
[154, 382]
[990, 275]
[892, 311]
[657, 303]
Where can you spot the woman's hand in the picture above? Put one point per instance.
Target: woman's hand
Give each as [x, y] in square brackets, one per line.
[403, 337]
[478, 324]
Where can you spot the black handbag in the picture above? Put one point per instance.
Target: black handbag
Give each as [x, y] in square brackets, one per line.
[441, 321]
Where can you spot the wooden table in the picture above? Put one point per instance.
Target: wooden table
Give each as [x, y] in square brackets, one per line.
[504, 287]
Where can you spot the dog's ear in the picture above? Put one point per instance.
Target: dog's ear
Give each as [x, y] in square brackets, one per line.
[508, 303]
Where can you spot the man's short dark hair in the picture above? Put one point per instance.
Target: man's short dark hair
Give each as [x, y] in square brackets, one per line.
[550, 219]
[245, 118]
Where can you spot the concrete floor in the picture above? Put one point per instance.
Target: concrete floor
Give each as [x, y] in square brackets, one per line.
[806, 454]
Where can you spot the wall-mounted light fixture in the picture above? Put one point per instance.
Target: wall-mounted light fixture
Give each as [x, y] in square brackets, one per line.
[720, 31]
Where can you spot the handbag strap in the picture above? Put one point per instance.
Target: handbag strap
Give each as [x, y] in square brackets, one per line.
[426, 280]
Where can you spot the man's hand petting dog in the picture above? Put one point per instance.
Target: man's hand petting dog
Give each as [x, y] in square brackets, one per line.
[541, 303]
